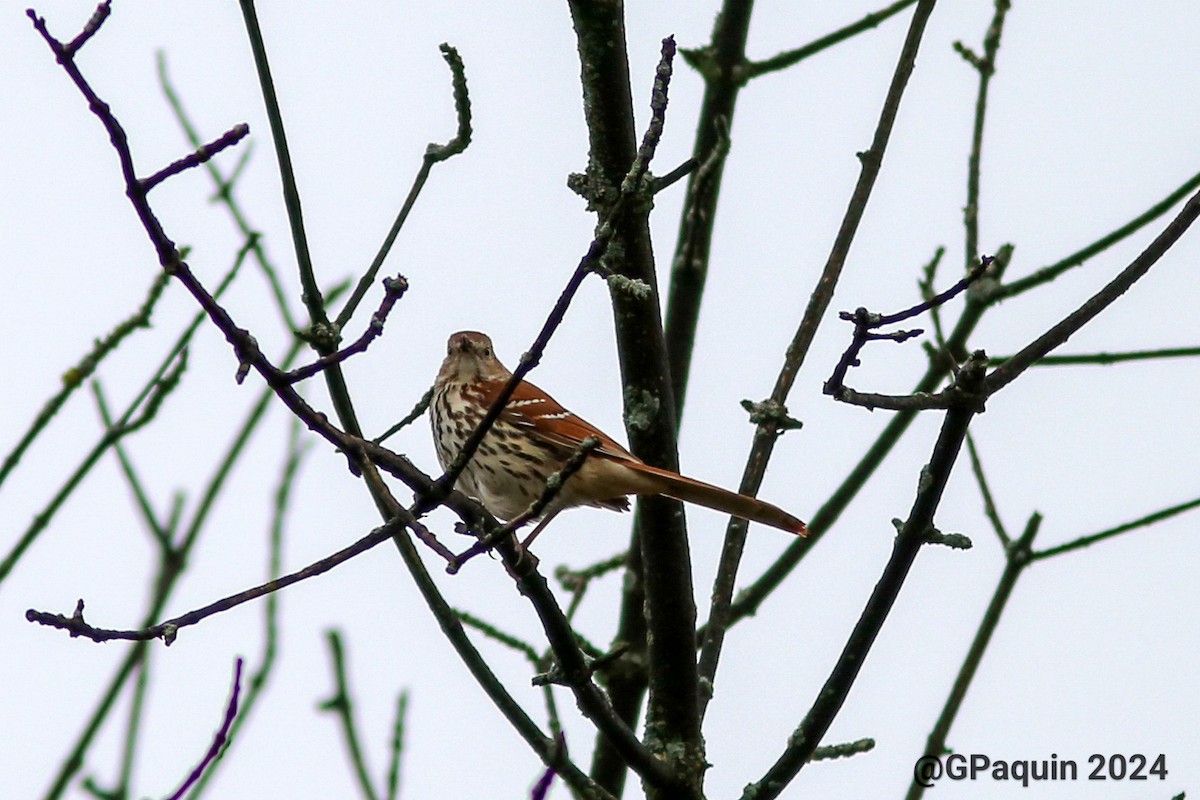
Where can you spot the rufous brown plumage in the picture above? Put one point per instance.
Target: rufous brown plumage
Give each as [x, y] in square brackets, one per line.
[535, 436]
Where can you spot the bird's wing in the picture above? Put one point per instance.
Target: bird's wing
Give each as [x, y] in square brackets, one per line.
[541, 415]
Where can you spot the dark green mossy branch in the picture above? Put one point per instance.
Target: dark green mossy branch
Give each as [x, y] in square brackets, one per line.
[673, 722]
[75, 376]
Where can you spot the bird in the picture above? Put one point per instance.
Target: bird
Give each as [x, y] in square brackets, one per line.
[535, 436]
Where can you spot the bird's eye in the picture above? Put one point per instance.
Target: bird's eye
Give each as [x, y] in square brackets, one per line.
[487, 351]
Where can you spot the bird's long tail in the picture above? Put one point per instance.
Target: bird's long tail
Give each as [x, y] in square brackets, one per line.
[691, 490]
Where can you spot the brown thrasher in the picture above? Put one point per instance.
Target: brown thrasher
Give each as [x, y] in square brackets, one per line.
[535, 436]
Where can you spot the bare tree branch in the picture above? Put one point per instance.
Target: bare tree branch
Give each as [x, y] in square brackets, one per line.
[202, 154]
[1082, 256]
[985, 65]
[1009, 370]
[790, 58]
[913, 534]
[219, 738]
[865, 323]
[168, 630]
[341, 705]
[1106, 359]
[989, 504]
[434, 154]
[1126, 527]
[1017, 557]
[721, 612]
[393, 290]
[74, 377]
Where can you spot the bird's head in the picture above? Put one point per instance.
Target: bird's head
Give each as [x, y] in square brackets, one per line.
[470, 358]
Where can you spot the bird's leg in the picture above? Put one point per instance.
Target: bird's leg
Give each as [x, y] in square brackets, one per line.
[486, 543]
[533, 534]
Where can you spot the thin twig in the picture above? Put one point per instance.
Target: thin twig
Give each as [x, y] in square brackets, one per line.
[1082, 256]
[393, 290]
[1040, 347]
[790, 58]
[598, 662]
[535, 659]
[662, 182]
[434, 154]
[341, 704]
[721, 611]
[420, 408]
[495, 634]
[89, 30]
[201, 155]
[1017, 558]
[1140, 522]
[865, 323]
[577, 581]
[989, 504]
[219, 738]
[75, 376]
[132, 738]
[1105, 359]
[149, 517]
[168, 630]
[925, 284]
[397, 746]
[913, 534]
[985, 65]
